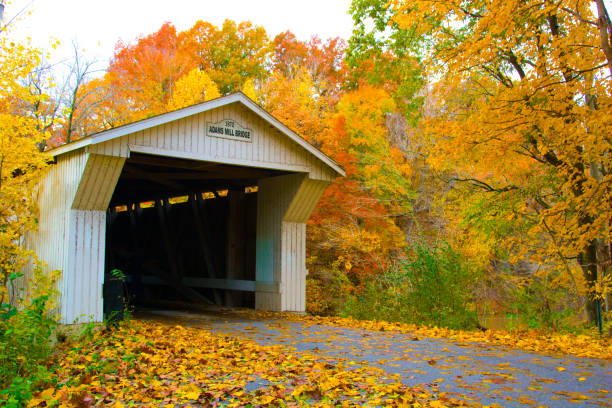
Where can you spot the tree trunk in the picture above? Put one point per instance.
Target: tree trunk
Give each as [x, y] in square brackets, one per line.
[603, 256]
[605, 31]
[588, 262]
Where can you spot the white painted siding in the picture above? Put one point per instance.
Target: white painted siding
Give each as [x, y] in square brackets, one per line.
[293, 260]
[84, 270]
[73, 199]
[98, 182]
[56, 192]
[305, 200]
[284, 204]
[186, 138]
[273, 198]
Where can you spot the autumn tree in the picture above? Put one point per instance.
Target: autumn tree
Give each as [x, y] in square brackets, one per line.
[383, 54]
[145, 73]
[230, 55]
[96, 107]
[356, 220]
[524, 122]
[69, 99]
[194, 87]
[297, 103]
[21, 163]
[44, 108]
[305, 83]
[322, 60]
[78, 98]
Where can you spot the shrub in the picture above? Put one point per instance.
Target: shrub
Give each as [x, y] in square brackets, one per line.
[540, 304]
[24, 347]
[327, 290]
[431, 288]
[25, 331]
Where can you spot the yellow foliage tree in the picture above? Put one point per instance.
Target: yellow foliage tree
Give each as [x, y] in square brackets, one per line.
[192, 88]
[297, 103]
[21, 165]
[249, 89]
[523, 124]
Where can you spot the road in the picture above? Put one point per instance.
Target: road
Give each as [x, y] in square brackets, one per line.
[479, 373]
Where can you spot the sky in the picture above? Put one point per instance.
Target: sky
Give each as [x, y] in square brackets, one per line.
[98, 25]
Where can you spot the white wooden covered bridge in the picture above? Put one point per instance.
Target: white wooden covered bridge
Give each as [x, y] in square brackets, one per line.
[203, 204]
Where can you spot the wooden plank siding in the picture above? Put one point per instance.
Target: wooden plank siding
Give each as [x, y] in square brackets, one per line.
[84, 268]
[293, 264]
[55, 195]
[73, 199]
[186, 138]
[283, 206]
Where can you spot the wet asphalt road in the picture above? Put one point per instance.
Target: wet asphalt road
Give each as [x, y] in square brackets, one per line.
[473, 372]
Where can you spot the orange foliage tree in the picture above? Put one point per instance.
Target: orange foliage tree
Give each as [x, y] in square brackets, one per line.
[146, 72]
[356, 220]
[322, 60]
[305, 85]
[297, 103]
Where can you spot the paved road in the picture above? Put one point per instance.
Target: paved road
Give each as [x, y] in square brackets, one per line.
[473, 372]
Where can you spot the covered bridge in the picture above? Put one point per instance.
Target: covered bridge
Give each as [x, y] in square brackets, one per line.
[203, 204]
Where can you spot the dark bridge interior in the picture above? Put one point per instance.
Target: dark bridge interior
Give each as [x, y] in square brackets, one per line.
[147, 177]
[182, 232]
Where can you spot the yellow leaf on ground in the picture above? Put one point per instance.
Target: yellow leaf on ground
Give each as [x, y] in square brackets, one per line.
[34, 402]
[266, 399]
[192, 395]
[48, 393]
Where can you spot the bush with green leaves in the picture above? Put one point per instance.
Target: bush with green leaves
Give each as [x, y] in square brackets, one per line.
[24, 347]
[539, 304]
[432, 287]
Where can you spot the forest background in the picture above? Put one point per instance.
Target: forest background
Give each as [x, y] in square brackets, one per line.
[475, 137]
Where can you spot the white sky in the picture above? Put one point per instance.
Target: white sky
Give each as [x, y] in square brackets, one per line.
[98, 25]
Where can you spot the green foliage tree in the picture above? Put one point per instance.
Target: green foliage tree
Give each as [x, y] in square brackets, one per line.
[383, 54]
[230, 55]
